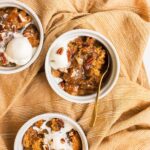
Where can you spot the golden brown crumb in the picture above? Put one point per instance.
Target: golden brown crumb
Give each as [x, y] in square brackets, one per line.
[75, 139]
[39, 123]
[38, 144]
[18, 18]
[29, 137]
[33, 35]
[62, 140]
[55, 124]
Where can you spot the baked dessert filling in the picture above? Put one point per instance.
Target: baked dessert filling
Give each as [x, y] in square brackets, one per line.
[79, 66]
[53, 134]
[19, 37]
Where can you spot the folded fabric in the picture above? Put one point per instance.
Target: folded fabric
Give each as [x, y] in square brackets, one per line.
[123, 120]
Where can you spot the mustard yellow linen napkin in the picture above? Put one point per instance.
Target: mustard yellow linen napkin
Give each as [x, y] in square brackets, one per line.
[124, 115]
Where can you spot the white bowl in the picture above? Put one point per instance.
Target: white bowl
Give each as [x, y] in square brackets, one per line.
[65, 39]
[24, 128]
[20, 5]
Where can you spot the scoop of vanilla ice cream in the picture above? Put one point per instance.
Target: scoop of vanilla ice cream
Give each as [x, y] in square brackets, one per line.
[19, 51]
[59, 61]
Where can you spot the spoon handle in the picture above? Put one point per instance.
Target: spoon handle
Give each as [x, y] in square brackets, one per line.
[94, 116]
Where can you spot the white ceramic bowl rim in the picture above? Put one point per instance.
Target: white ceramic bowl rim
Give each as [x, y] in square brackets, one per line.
[115, 65]
[29, 123]
[16, 3]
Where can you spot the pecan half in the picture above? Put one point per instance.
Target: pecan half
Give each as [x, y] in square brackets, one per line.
[60, 51]
[62, 140]
[69, 55]
[89, 61]
[3, 60]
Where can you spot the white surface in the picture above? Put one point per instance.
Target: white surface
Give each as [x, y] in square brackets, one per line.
[65, 38]
[48, 116]
[146, 59]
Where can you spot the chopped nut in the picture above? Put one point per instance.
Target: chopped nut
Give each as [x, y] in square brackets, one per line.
[56, 73]
[71, 133]
[39, 123]
[79, 60]
[62, 84]
[55, 124]
[46, 147]
[90, 41]
[62, 140]
[32, 34]
[73, 89]
[51, 142]
[75, 139]
[3, 59]
[29, 137]
[45, 131]
[88, 63]
[69, 55]
[17, 17]
[1, 37]
[40, 135]
[21, 18]
[60, 51]
[14, 28]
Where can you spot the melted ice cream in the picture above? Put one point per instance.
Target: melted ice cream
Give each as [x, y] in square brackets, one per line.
[54, 138]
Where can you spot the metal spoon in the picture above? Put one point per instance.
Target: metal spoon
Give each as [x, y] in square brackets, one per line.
[94, 116]
[23, 29]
